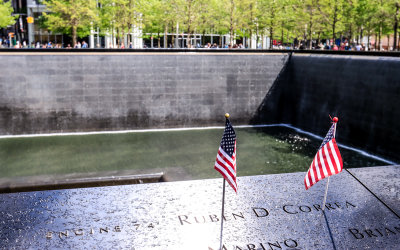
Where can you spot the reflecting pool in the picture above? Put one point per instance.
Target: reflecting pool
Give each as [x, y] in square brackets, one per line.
[181, 155]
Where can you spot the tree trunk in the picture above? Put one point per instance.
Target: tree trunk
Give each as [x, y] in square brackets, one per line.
[334, 24]
[118, 38]
[271, 35]
[262, 40]
[310, 33]
[351, 35]
[271, 30]
[388, 43]
[251, 28]
[189, 36]
[203, 41]
[166, 36]
[74, 35]
[231, 23]
[396, 27]
[380, 34]
[251, 38]
[158, 40]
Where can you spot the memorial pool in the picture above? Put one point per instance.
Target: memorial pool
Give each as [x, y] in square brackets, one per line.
[182, 154]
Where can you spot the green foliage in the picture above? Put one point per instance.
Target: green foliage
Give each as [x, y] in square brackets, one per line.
[73, 17]
[283, 20]
[5, 14]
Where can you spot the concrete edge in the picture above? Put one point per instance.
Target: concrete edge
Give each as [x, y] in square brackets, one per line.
[41, 183]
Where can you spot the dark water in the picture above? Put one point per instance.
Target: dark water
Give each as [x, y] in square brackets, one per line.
[306, 145]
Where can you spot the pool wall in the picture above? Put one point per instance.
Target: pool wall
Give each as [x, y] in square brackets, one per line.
[67, 92]
[363, 91]
[42, 93]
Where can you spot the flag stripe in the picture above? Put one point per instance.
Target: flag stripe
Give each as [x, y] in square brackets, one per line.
[337, 156]
[319, 176]
[227, 168]
[321, 166]
[306, 180]
[328, 158]
[332, 160]
[226, 176]
[222, 155]
[327, 161]
[312, 174]
[324, 160]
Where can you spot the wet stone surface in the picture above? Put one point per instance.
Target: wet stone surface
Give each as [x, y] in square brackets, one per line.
[388, 186]
[269, 212]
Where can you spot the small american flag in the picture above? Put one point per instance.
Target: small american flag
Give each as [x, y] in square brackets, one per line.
[326, 162]
[226, 157]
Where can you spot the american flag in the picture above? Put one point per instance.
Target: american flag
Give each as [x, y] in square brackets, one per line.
[326, 162]
[226, 157]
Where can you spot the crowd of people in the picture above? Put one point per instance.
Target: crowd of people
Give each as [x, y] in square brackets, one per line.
[6, 43]
[343, 46]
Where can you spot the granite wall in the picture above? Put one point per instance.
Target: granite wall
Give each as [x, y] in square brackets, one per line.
[364, 92]
[55, 92]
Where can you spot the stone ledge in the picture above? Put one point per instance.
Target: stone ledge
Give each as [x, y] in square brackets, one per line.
[77, 180]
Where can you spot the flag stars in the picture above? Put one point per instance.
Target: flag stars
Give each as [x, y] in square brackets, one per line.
[228, 139]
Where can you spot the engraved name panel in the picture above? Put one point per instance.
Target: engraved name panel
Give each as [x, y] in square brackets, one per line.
[269, 212]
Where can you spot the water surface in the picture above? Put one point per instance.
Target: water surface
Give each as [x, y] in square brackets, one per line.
[181, 155]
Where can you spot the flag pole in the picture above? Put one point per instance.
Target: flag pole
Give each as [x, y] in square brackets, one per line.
[335, 120]
[223, 203]
[222, 213]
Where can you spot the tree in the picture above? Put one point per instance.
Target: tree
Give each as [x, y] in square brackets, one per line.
[394, 7]
[382, 26]
[191, 14]
[6, 18]
[332, 12]
[73, 17]
[287, 20]
[119, 16]
[310, 19]
[160, 16]
[270, 12]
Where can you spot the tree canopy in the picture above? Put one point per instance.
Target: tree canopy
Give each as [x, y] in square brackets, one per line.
[282, 20]
[6, 18]
[74, 17]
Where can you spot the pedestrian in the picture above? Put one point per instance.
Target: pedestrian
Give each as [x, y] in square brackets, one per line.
[84, 45]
